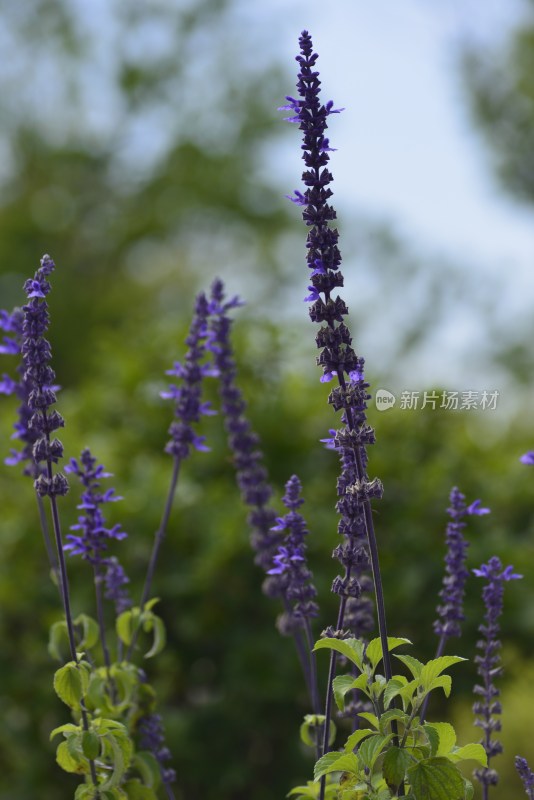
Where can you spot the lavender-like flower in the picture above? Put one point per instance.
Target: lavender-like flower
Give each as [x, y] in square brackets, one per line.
[94, 538]
[39, 377]
[450, 611]
[152, 738]
[290, 562]
[244, 442]
[528, 458]
[526, 775]
[115, 580]
[488, 665]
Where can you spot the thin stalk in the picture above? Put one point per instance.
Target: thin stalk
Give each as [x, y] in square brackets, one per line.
[158, 540]
[169, 792]
[52, 559]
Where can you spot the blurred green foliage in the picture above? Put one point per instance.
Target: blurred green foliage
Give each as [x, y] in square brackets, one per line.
[137, 223]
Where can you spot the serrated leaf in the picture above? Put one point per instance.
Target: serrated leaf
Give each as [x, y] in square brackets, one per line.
[355, 738]
[470, 752]
[371, 749]
[433, 739]
[85, 791]
[389, 716]
[159, 637]
[396, 762]
[74, 745]
[373, 652]
[446, 734]
[304, 791]
[436, 779]
[90, 745]
[335, 762]
[412, 663]
[436, 666]
[148, 768]
[70, 684]
[350, 648]
[68, 763]
[118, 749]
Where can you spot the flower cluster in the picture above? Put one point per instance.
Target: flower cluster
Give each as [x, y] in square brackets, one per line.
[488, 663]
[450, 611]
[290, 563]
[92, 541]
[189, 407]
[526, 775]
[152, 738]
[39, 378]
[337, 358]
[244, 442]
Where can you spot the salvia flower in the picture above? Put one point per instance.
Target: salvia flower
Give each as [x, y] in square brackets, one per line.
[526, 775]
[337, 358]
[187, 396]
[115, 580]
[39, 379]
[450, 611]
[528, 458]
[152, 738]
[290, 563]
[94, 536]
[243, 441]
[488, 708]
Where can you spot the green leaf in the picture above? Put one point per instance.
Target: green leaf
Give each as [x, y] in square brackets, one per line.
[311, 730]
[126, 625]
[443, 682]
[119, 750]
[355, 738]
[136, 791]
[90, 632]
[68, 727]
[58, 640]
[70, 684]
[435, 667]
[149, 605]
[446, 734]
[148, 768]
[350, 648]
[368, 717]
[436, 779]
[371, 749]
[394, 713]
[470, 752]
[396, 762]
[412, 663]
[335, 762]
[90, 745]
[85, 791]
[68, 763]
[159, 636]
[433, 739]
[374, 649]
[469, 790]
[393, 688]
[345, 683]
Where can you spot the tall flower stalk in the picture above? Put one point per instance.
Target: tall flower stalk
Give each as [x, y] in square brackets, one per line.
[39, 377]
[488, 708]
[337, 358]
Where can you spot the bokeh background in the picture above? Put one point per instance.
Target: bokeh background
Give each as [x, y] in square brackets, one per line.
[140, 145]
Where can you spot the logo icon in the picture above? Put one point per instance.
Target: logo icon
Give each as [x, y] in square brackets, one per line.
[384, 400]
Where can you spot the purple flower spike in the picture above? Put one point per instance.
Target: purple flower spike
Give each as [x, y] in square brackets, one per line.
[152, 738]
[290, 563]
[187, 397]
[526, 775]
[450, 610]
[38, 380]
[94, 537]
[244, 442]
[488, 708]
[528, 458]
